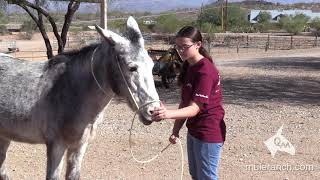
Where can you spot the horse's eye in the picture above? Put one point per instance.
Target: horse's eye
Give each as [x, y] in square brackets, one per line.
[133, 69]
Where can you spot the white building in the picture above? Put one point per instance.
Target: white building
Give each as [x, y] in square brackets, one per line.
[277, 14]
[148, 22]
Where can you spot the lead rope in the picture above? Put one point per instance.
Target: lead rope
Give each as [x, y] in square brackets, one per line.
[157, 155]
[138, 109]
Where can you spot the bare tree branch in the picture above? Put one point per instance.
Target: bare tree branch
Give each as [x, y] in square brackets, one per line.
[41, 29]
[73, 6]
[50, 19]
[44, 33]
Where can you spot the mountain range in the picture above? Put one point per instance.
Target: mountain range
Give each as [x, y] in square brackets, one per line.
[153, 6]
[164, 5]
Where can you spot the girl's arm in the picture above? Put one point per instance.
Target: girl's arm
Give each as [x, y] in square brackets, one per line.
[179, 114]
[183, 113]
[178, 124]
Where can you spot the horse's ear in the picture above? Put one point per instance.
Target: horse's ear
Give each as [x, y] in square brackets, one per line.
[132, 23]
[111, 37]
[133, 32]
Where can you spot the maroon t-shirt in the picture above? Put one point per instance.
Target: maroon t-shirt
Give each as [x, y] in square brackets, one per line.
[202, 84]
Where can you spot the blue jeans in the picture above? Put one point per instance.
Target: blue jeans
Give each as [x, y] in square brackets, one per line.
[203, 158]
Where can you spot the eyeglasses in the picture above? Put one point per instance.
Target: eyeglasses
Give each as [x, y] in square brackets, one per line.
[182, 48]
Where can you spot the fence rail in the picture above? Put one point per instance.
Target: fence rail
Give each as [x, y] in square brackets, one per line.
[5, 45]
[266, 42]
[216, 43]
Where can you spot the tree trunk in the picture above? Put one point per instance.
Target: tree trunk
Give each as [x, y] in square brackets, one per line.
[42, 30]
[72, 8]
[45, 36]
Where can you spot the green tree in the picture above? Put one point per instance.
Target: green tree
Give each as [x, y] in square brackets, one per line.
[237, 19]
[263, 20]
[264, 17]
[116, 25]
[294, 24]
[236, 22]
[210, 15]
[167, 23]
[3, 17]
[209, 28]
[29, 27]
[3, 21]
[315, 24]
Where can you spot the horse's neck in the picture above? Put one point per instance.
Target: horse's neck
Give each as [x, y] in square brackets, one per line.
[100, 93]
[80, 87]
[114, 77]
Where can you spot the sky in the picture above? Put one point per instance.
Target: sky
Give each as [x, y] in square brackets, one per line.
[163, 5]
[154, 6]
[285, 1]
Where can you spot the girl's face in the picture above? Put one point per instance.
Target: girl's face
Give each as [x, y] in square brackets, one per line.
[186, 48]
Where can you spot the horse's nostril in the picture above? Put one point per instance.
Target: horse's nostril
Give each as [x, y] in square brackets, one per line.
[150, 111]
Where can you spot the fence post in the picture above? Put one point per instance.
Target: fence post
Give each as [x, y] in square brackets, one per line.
[316, 41]
[268, 43]
[291, 42]
[238, 48]
[247, 41]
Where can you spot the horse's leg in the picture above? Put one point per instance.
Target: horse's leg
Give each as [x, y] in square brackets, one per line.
[164, 80]
[75, 154]
[55, 152]
[4, 144]
[74, 159]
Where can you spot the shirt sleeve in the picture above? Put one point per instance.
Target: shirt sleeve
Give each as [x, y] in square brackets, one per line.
[202, 87]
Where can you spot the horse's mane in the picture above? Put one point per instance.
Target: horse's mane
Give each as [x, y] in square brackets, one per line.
[68, 56]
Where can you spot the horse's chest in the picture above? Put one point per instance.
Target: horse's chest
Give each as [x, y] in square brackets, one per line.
[74, 135]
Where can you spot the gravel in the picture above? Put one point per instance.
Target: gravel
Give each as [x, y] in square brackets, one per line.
[260, 96]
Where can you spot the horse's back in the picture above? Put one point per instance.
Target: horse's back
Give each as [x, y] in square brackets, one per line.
[19, 80]
[14, 67]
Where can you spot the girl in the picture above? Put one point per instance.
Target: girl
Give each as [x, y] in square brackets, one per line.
[201, 106]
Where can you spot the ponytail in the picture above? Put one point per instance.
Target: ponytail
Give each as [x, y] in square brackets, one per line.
[205, 53]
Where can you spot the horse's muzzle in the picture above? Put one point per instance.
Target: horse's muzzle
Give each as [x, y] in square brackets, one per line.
[144, 120]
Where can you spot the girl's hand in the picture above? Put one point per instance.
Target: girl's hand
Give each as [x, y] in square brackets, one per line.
[160, 113]
[173, 138]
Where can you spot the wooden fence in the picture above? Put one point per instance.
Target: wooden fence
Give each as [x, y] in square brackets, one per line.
[218, 43]
[267, 42]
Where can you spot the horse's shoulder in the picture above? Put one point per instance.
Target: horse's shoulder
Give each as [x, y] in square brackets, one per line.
[55, 67]
[56, 60]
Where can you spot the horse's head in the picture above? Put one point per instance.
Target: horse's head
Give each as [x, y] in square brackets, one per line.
[135, 66]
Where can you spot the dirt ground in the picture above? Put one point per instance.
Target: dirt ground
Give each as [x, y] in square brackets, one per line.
[262, 91]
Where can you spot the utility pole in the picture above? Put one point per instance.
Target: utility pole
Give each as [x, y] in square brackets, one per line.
[226, 21]
[222, 15]
[103, 11]
[200, 20]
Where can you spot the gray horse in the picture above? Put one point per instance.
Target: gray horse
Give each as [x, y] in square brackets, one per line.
[59, 102]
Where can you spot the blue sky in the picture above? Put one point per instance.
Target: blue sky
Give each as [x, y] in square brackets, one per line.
[286, 1]
[154, 6]
[162, 5]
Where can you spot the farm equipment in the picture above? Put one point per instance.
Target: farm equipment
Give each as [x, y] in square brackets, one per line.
[166, 64]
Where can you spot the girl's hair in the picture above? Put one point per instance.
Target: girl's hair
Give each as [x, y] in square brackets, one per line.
[195, 35]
